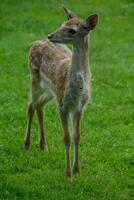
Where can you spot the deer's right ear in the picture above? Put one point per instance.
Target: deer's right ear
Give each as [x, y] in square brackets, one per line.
[68, 13]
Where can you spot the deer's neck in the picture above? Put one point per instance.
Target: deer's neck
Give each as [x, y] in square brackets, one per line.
[80, 55]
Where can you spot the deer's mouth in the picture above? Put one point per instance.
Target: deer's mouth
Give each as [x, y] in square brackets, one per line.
[53, 38]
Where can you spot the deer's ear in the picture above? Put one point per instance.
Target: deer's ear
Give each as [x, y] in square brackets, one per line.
[68, 13]
[91, 21]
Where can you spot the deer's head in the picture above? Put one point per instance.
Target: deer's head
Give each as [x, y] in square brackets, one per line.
[74, 29]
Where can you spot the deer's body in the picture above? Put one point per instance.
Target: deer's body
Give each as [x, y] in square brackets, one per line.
[58, 73]
[50, 66]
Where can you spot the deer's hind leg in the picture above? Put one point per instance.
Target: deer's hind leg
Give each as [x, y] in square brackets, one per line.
[40, 115]
[30, 113]
[36, 92]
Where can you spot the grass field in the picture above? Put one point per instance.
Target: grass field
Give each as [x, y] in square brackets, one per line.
[107, 131]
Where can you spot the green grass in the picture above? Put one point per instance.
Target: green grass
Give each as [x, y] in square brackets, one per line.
[107, 132]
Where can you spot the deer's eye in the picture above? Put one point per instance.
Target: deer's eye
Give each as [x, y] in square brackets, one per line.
[72, 31]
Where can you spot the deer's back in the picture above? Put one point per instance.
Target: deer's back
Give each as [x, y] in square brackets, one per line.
[51, 64]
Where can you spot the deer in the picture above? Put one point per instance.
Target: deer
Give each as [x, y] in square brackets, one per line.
[64, 75]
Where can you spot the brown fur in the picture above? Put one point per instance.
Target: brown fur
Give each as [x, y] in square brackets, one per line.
[54, 61]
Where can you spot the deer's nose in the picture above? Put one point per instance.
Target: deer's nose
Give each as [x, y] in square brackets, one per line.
[50, 36]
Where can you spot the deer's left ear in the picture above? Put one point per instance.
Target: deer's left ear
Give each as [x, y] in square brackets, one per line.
[91, 22]
[68, 13]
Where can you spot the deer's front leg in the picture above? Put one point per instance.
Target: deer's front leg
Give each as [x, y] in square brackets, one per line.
[64, 119]
[76, 123]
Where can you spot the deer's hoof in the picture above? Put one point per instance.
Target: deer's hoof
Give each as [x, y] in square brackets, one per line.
[43, 147]
[68, 173]
[26, 145]
[76, 169]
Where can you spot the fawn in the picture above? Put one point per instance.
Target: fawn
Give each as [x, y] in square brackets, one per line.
[58, 73]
